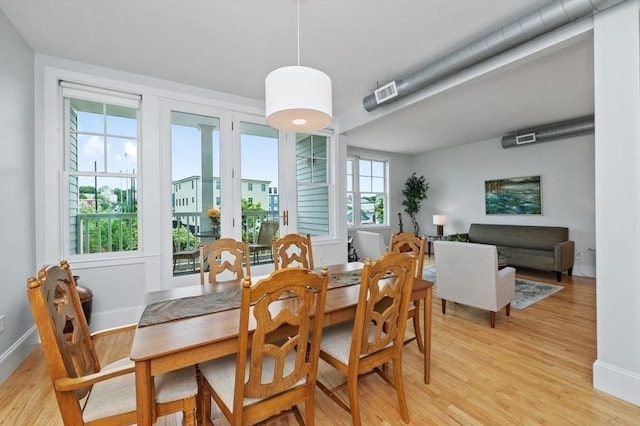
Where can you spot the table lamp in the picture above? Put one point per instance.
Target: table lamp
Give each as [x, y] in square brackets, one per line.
[439, 220]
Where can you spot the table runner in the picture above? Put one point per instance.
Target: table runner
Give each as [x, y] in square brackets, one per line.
[193, 306]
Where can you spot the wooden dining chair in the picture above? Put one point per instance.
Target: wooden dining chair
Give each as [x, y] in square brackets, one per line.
[280, 368]
[87, 393]
[268, 230]
[225, 259]
[292, 250]
[406, 242]
[375, 336]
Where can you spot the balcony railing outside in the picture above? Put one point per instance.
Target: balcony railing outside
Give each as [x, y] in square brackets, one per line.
[189, 232]
[114, 232]
[106, 232]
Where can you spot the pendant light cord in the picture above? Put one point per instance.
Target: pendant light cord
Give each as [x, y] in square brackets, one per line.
[298, 32]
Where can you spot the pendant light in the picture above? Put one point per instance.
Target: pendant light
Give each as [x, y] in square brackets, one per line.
[298, 98]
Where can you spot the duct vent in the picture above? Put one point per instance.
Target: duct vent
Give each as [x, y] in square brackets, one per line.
[551, 16]
[386, 92]
[550, 132]
[526, 138]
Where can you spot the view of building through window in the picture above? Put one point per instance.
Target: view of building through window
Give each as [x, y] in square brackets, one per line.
[102, 171]
[101, 168]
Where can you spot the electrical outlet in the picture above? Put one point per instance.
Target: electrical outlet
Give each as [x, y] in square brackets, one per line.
[1, 323]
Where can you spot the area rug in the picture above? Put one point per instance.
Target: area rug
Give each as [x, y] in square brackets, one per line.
[527, 292]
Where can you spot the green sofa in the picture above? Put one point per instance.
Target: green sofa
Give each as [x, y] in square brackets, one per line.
[546, 248]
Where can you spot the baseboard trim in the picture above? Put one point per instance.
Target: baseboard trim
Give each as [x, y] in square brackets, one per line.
[17, 353]
[617, 382]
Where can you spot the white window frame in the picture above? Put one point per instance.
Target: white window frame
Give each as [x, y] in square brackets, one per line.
[70, 90]
[355, 158]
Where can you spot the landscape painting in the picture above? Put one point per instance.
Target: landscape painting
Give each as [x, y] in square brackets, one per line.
[520, 195]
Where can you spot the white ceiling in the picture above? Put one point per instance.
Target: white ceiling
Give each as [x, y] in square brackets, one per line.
[231, 45]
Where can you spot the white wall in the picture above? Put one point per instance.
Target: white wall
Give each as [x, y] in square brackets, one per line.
[617, 107]
[456, 187]
[17, 251]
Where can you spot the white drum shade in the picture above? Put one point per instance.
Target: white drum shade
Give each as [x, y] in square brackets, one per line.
[298, 99]
[439, 219]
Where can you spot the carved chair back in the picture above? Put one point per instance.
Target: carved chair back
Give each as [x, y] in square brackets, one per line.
[224, 256]
[293, 250]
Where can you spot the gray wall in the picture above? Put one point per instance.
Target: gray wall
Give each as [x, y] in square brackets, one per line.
[567, 168]
[17, 251]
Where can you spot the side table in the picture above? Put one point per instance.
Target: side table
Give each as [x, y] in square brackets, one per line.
[431, 239]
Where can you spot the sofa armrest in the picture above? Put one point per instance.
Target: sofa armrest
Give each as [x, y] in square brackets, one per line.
[564, 254]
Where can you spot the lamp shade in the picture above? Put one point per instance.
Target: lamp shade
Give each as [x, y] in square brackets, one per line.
[439, 219]
[298, 99]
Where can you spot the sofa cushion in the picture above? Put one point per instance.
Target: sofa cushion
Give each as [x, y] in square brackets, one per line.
[531, 237]
[536, 259]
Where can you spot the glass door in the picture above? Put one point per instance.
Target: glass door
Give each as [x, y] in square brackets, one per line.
[195, 187]
[259, 192]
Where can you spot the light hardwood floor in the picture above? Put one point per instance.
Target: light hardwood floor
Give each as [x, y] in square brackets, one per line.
[535, 367]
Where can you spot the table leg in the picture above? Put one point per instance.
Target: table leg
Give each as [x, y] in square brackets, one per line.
[427, 335]
[144, 393]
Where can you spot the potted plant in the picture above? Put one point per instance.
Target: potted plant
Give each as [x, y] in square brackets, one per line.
[414, 191]
[214, 217]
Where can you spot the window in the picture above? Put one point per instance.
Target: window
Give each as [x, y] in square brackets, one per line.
[101, 168]
[263, 187]
[366, 191]
[312, 171]
[250, 186]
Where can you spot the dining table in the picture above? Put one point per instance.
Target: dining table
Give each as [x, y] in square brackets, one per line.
[172, 344]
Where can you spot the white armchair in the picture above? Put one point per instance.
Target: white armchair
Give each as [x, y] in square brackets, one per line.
[468, 273]
[370, 244]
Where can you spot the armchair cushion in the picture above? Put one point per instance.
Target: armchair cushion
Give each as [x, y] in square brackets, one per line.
[370, 245]
[468, 274]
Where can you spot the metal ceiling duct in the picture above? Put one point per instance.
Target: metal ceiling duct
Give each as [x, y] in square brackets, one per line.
[549, 132]
[543, 20]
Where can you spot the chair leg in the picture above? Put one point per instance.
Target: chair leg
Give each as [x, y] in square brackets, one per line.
[189, 412]
[352, 387]
[492, 316]
[416, 325]
[399, 385]
[444, 306]
[508, 309]
[205, 416]
[309, 408]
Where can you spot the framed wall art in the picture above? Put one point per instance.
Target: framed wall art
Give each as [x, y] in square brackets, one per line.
[519, 195]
